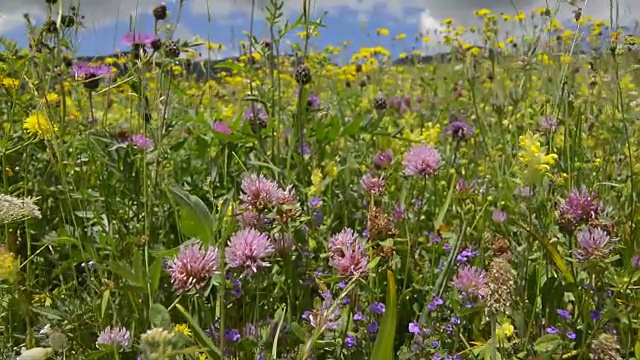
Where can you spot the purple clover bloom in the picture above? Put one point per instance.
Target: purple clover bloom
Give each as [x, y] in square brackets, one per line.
[548, 124]
[499, 216]
[247, 249]
[470, 281]
[117, 337]
[383, 159]
[580, 206]
[313, 102]
[594, 244]
[422, 161]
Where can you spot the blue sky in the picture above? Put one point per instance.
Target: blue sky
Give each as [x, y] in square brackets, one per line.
[356, 20]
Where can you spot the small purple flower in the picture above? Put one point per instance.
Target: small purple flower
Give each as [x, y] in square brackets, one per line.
[383, 159]
[595, 314]
[551, 330]
[247, 249]
[358, 316]
[563, 313]
[635, 262]
[377, 308]
[414, 328]
[221, 127]
[422, 161]
[117, 337]
[594, 244]
[257, 116]
[373, 327]
[232, 335]
[465, 255]
[571, 335]
[142, 142]
[315, 202]
[459, 128]
[499, 216]
[435, 303]
[350, 341]
[313, 102]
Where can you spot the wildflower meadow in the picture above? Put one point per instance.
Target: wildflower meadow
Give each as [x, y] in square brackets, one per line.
[298, 202]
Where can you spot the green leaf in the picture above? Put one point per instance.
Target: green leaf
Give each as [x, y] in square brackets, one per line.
[159, 316]
[137, 267]
[383, 348]
[279, 315]
[154, 274]
[105, 302]
[547, 344]
[203, 340]
[126, 272]
[445, 206]
[299, 331]
[195, 220]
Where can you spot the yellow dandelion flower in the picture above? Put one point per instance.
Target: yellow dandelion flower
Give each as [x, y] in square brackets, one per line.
[426, 39]
[182, 328]
[506, 17]
[382, 31]
[37, 124]
[447, 21]
[482, 12]
[401, 36]
[51, 99]
[10, 83]
[521, 16]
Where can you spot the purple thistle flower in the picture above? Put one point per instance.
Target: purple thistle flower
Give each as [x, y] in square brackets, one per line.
[594, 244]
[221, 127]
[373, 185]
[117, 337]
[383, 159]
[470, 281]
[580, 206]
[90, 73]
[141, 141]
[193, 267]
[139, 39]
[459, 129]
[422, 161]
[247, 248]
[258, 192]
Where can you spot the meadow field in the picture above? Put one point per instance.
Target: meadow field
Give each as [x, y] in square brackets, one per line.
[307, 204]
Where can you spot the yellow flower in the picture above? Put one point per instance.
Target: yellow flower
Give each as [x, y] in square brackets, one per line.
[203, 357]
[8, 264]
[331, 169]
[482, 12]
[382, 31]
[10, 83]
[52, 99]
[504, 331]
[535, 161]
[182, 328]
[447, 21]
[426, 39]
[8, 172]
[521, 16]
[400, 36]
[316, 182]
[38, 124]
